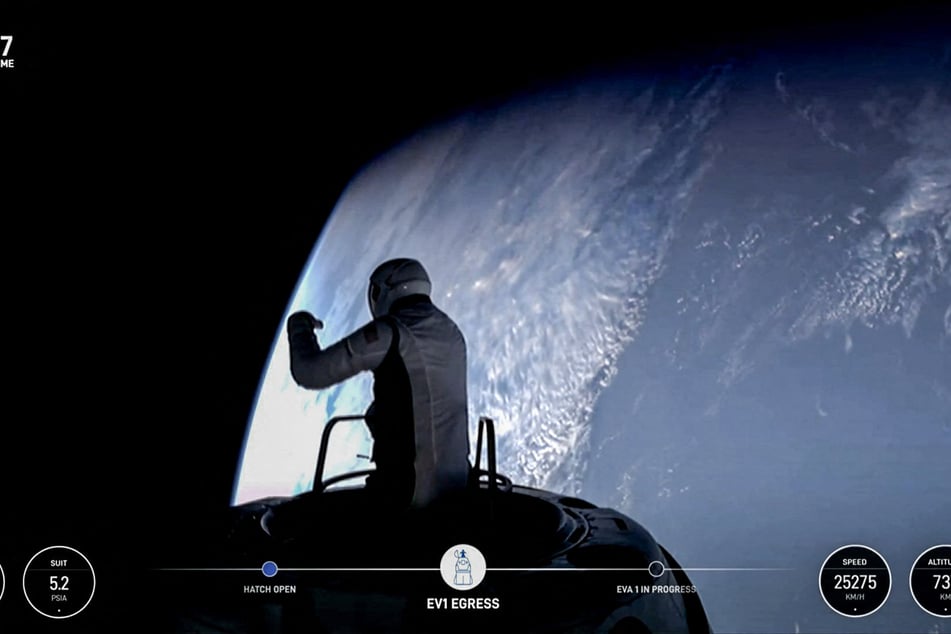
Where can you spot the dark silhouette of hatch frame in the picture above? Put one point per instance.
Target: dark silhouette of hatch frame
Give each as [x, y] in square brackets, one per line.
[495, 480]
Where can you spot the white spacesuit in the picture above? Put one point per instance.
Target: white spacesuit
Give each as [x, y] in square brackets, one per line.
[463, 576]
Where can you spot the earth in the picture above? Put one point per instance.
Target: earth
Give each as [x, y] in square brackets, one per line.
[715, 296]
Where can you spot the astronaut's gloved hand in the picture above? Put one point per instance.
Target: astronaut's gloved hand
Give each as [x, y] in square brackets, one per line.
[302, 322]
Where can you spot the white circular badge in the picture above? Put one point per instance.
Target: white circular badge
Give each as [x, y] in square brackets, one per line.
[462, 567]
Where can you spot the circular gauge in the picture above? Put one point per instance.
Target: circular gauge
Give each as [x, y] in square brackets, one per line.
[855, 581]
[59, 582]
[930, 581]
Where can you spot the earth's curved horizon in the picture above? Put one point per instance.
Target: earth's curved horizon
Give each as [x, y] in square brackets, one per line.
[718, 300]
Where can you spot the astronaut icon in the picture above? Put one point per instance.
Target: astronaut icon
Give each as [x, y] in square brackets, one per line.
[462, 567]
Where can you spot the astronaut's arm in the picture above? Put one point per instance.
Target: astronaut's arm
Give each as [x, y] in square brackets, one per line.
[315, 368]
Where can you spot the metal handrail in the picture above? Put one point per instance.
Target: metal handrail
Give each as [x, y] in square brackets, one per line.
[487, 425]
[349, 475]
[319, 484]
[486, 429]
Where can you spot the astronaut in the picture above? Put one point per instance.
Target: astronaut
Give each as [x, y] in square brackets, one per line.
[417, 354]
[463, 576]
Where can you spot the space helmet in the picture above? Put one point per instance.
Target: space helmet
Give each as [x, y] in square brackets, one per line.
[393, 280]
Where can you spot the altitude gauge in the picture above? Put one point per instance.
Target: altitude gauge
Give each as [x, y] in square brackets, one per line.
[930, 581]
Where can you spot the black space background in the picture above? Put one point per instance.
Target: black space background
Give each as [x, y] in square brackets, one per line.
[170, 172]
